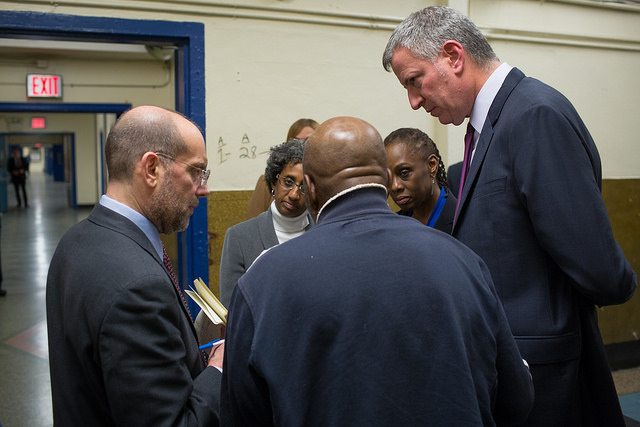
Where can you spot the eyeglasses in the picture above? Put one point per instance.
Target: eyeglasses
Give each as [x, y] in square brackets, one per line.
[288, 183]
[199, 176]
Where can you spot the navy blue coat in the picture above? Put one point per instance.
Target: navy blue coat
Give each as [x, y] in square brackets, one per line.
[370, 319]
[532, 209]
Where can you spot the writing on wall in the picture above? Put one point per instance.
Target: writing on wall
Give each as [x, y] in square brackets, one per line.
[244, 150]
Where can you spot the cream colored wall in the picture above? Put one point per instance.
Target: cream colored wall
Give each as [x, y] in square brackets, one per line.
[260, 84]
[94, 81]
[589, 53]
[271, 62]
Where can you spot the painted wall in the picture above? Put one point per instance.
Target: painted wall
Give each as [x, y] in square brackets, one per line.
[269, 63]
[584, 52]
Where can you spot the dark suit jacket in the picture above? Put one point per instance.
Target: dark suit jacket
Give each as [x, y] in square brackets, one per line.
[370, 319]
[18, 178]
[532, 209]
[122, 347]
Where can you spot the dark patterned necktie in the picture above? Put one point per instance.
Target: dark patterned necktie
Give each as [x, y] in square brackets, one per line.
[466, 163]
[167, 263]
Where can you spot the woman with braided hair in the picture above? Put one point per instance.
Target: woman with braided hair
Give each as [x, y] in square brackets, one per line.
[418, 182]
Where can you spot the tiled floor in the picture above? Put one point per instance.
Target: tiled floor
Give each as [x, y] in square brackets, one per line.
[29, 237]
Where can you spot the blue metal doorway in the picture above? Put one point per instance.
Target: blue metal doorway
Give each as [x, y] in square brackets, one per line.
[187, 38]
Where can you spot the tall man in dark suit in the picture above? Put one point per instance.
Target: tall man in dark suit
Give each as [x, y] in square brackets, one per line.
[122, 346]
[531, 207]
[17, 166]
[370, 318]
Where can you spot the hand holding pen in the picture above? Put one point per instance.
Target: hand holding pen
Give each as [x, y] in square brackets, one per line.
[216, 356]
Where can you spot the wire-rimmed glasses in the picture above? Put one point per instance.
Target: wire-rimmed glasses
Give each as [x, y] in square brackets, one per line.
[199, 176]
[288, 183]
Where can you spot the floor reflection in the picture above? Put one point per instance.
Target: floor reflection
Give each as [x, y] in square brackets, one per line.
[29, 238]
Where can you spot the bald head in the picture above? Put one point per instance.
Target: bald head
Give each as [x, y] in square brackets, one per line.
[341, 153]
[142, 129]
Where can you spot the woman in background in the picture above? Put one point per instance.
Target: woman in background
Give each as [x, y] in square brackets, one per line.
[261, 197]
[418, 179]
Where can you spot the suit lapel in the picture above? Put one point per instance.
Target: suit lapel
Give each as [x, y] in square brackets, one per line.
[114, 221]
[513, 78]
[266, 230]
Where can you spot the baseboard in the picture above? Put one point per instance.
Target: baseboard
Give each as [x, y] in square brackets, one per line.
[623, 355]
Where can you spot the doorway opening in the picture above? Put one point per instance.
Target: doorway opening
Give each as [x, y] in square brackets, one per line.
[185, 39]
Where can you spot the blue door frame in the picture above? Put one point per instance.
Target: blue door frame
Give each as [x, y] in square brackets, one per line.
[188, 38]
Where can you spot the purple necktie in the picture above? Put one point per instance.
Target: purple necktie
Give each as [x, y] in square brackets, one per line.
[468, 149]
[167, 263]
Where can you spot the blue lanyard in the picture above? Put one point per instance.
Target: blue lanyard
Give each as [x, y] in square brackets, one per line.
[435, 214]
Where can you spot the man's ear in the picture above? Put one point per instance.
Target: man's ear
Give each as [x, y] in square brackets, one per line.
[149, 166]
[455, 54]
[310, 196]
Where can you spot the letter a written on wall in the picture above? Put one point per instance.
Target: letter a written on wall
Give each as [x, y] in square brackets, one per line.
[44, 86]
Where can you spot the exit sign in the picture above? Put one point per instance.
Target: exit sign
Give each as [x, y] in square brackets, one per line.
[44, 86]
[37, 123]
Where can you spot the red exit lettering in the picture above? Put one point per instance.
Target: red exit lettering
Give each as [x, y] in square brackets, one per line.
[44, 86]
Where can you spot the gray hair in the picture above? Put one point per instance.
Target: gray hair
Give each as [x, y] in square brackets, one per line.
[424, 33]
[287, 153]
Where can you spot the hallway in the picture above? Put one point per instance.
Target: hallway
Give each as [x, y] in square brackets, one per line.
[29, 237]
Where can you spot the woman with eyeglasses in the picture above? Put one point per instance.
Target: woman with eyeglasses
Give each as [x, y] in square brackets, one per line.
[260, 198]
[418, 179]
[286, 217]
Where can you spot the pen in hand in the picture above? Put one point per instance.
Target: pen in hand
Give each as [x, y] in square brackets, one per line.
[210, 344]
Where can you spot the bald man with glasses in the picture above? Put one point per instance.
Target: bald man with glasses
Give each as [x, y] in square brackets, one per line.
[122, 345]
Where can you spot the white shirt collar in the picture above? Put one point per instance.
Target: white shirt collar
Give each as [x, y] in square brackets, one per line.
[486, 96]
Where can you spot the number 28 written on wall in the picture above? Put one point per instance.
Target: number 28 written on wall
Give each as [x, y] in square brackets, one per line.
[246, 151]
[44, 86]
